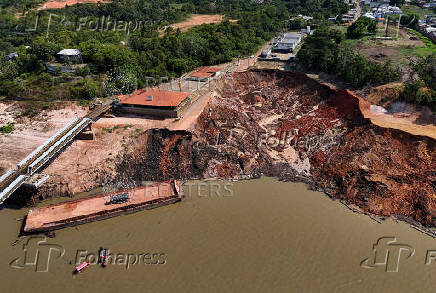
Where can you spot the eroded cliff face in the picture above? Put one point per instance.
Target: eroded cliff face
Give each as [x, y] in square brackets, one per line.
[155, 155]
[289, 126]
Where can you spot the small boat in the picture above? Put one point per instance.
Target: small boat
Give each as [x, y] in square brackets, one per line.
[81, 267]
[105, 261]
[102, 259]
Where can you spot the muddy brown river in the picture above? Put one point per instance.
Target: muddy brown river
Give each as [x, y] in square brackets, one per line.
[249, 236]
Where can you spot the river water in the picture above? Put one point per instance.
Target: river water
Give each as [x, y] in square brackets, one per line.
[250, 236]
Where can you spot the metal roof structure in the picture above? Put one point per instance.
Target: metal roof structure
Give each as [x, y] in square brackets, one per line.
[69, 52]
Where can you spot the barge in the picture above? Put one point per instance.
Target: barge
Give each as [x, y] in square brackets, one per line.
[102, 206]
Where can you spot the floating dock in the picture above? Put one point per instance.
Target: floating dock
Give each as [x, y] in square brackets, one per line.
[85, 210]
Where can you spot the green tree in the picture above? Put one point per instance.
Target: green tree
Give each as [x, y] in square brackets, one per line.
[8, 69]
[121, 80]
[86, 89]
[324, 51]
[320, 50]
[360, 27]
[44, 50]
[426, 70]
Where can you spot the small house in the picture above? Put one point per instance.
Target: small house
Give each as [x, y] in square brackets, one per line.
[11, 56]
[205, 73]
[154, 102]
[70, 55]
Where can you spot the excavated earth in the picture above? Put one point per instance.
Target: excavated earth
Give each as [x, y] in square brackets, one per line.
[287, 125]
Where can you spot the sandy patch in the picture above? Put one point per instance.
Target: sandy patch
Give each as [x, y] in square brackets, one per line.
[197, 19]
[410, 122]
[62, 3]
[30, 133]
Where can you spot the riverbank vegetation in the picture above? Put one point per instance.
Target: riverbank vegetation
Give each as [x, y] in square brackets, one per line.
[326, 51]
[125, 43]
[126, 36]
[421, 88]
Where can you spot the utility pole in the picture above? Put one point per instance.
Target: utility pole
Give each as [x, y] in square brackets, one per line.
[398, 27]
[386, 28]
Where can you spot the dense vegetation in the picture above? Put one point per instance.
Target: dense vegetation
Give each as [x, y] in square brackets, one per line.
[325, 51]
[101, 30]
[361, 27]
[422, 88]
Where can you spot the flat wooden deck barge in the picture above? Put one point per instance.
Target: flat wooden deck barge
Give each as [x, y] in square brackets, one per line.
[95, 208]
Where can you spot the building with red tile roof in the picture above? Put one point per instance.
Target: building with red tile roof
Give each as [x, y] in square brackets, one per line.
[154, 102]
[154, 97]
[204, 73]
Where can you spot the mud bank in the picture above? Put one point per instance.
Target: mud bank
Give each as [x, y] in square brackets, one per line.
[288, 126]
[310, 133]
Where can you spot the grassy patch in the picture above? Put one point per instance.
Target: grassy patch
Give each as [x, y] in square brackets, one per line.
[84, 103]
[135, 133]
[413, 9]
[366, 41]
[30, 112]
[429, 48]
[46, 105]
[110, 130]
[7, 128]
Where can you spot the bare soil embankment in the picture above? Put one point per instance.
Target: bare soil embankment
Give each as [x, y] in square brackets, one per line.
[285, 125]
[328, 142]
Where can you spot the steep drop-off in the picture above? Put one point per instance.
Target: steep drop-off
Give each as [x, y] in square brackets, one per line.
[289, 126]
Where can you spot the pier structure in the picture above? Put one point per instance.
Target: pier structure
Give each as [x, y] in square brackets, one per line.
[45, 153]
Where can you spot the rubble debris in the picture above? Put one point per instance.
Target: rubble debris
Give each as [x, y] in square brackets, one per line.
[287, 125]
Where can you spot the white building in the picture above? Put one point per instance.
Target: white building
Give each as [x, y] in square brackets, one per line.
[369, 15]
[70, 55]
[287, 43]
